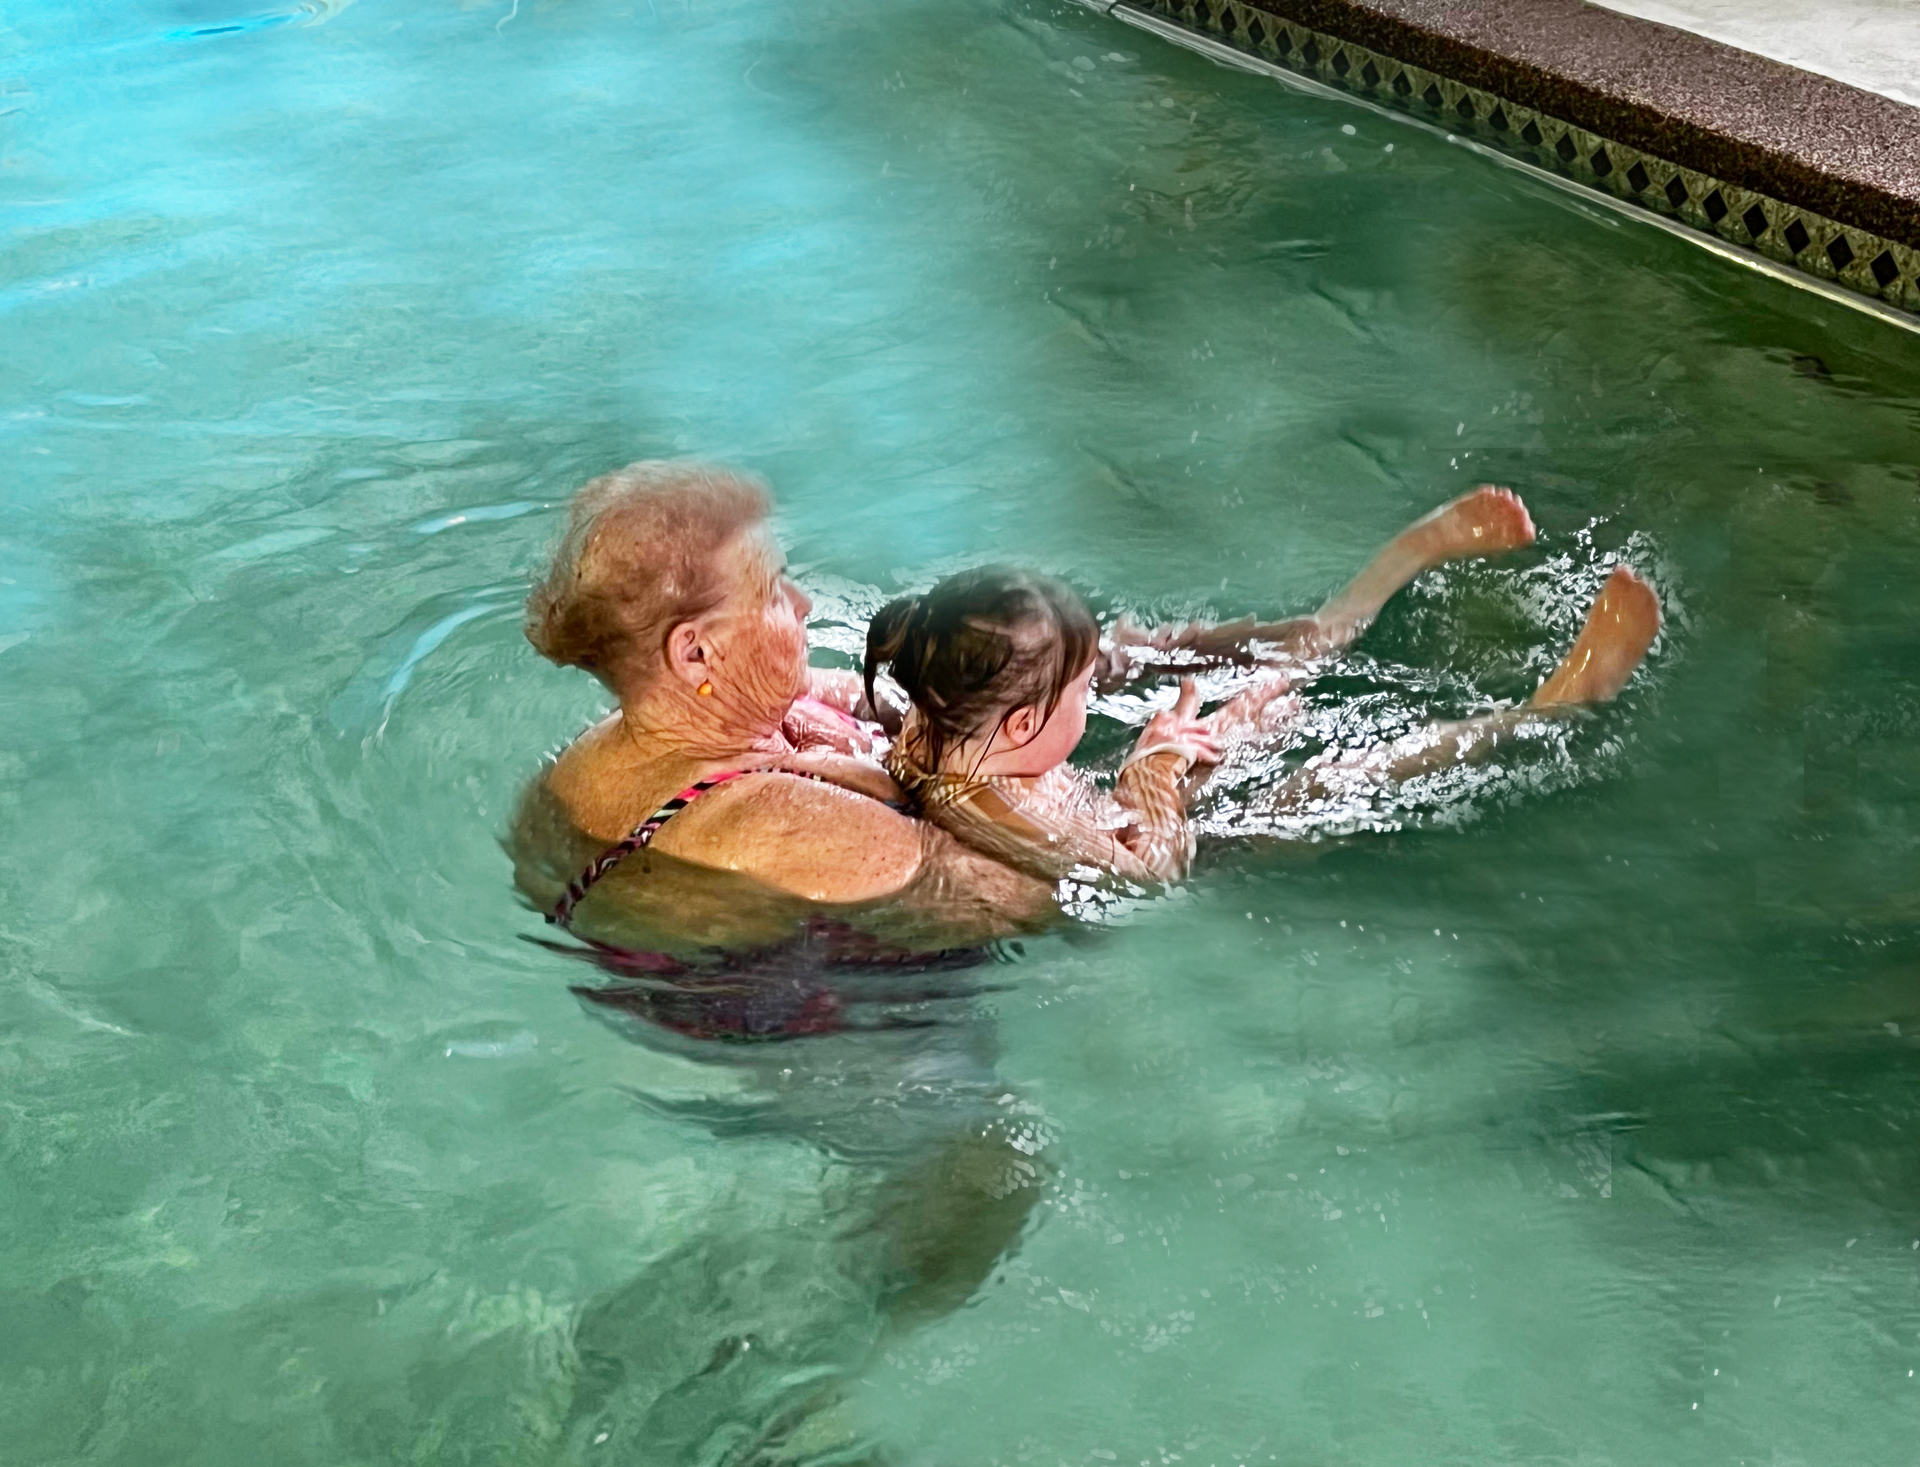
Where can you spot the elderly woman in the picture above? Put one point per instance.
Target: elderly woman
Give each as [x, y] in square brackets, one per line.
[716, 843]
[723, 805]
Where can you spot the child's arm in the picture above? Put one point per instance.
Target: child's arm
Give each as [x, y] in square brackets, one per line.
[1174, 740]
[1158, 835]
[833, 714]
[845, 691]
[1044, 832]
[1049, 826]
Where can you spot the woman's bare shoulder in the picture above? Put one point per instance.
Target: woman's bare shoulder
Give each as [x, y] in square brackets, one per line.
[599, 783]
[814, 840]
[838, 846]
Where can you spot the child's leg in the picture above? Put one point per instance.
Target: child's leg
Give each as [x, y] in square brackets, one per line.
[1620, 627]
[1484, 522]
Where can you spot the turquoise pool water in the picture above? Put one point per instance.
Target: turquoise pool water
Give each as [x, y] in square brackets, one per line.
[1572, 1121]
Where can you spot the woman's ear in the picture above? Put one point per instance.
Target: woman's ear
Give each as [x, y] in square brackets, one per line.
[687, 654]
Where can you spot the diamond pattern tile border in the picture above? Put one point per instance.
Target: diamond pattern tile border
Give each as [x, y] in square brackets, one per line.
[1823, 247]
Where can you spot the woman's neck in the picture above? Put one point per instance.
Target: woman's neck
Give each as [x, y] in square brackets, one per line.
[668, 722]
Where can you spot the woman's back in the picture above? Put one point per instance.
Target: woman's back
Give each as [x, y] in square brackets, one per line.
[754, 863]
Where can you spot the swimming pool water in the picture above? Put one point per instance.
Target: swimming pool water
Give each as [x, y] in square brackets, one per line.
[1573, 1121]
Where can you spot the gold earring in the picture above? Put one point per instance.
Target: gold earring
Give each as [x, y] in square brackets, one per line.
[705, 689]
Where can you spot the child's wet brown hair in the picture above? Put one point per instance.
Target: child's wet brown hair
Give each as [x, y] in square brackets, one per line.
[979, 644]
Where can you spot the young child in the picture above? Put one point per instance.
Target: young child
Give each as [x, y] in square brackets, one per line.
[997, 664]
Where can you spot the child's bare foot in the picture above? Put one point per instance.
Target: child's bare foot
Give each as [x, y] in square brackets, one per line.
[1620, 627]
[1484, 521]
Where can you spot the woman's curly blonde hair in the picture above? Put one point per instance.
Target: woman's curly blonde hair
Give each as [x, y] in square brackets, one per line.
[638, 558]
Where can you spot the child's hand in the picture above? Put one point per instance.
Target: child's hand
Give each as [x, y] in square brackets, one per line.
[1268, 707]
[1129, 633]
[810, 724]
[1180, 730]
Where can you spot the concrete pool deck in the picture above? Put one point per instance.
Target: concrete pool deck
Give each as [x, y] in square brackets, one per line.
[1870, 44]
[1792, 165]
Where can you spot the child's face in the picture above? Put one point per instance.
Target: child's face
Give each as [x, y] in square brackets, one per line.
[1044, 742]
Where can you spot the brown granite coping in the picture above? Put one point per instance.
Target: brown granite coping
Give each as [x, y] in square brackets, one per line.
[1805, 139]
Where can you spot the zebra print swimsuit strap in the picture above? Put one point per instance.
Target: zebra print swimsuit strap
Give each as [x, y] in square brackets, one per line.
[642, 836]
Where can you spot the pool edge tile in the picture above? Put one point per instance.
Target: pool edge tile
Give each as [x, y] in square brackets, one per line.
[1385, 50]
